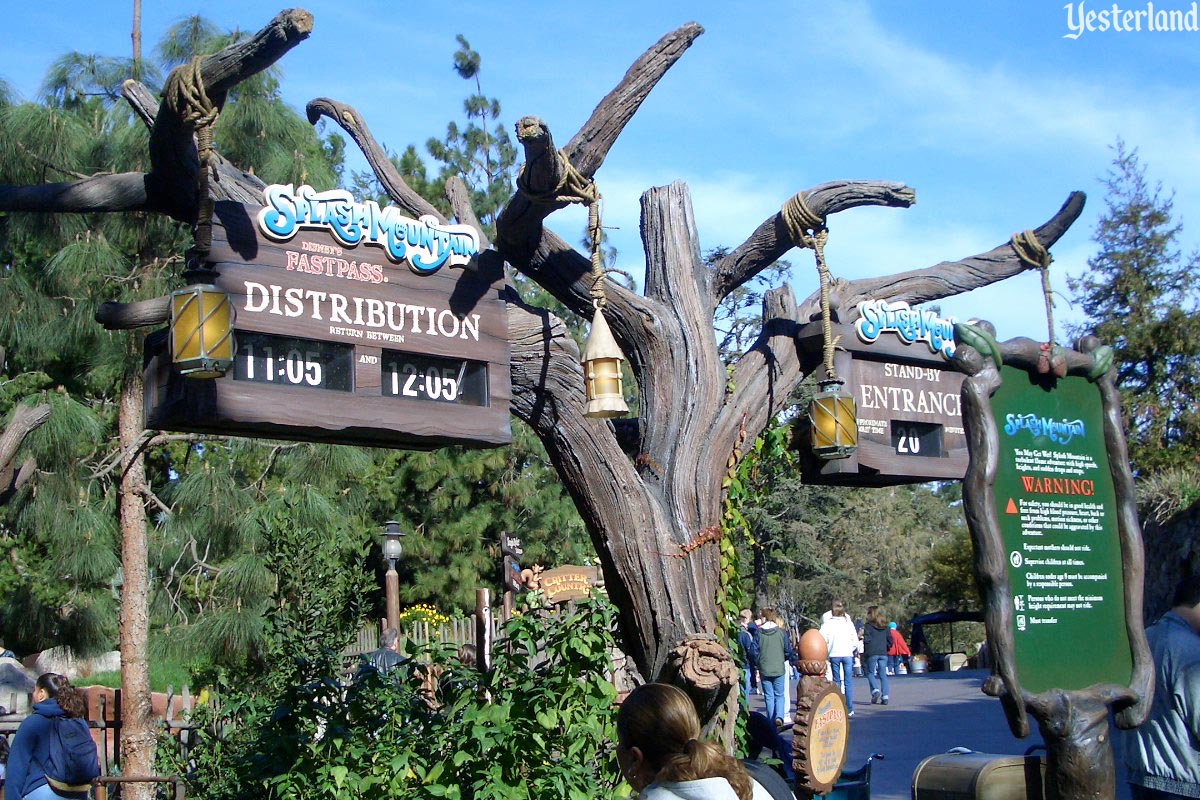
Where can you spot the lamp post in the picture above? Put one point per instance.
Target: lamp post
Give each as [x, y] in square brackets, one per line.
[391, 582]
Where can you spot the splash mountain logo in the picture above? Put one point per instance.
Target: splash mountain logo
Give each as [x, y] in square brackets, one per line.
[910, 324]
[426, 244]
[1060, 431]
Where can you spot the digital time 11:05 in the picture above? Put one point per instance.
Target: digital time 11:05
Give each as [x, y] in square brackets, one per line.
[265, 358]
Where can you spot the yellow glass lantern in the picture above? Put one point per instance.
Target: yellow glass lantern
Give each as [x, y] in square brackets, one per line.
[602, 372]
[833, 426]
[202, 343]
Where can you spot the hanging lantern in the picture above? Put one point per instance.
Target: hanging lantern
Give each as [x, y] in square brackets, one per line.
[602, 372]
[833, 428]
[201, 330]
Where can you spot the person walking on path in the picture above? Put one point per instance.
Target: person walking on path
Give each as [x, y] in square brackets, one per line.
[1162, 755]
[875, 647]
[841, 639]
[54, 698]
[897, 650]
[749, 649]
[774, 654]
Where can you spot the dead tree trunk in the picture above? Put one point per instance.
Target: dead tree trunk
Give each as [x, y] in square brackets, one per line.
[24, 420]
[647, 493]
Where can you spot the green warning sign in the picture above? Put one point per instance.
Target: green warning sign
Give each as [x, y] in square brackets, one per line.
[1057, 513]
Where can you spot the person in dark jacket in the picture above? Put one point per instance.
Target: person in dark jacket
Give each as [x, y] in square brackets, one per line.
[875, 647]
[749, 650]
[774, 654]
[53, 696]
[387, 657]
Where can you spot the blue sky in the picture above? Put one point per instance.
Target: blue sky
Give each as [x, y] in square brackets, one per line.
[985, 108]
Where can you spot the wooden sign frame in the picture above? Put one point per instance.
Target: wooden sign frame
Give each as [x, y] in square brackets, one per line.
[820, 734]
[339, 343]
[1073, 721]
[906, 397]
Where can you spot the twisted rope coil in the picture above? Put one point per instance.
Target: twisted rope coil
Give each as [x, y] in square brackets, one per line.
[185, 95]
[574, 187]
[1034, 253]
[807, 229]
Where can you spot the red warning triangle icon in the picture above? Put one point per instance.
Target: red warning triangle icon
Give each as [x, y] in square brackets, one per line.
[1011, 508]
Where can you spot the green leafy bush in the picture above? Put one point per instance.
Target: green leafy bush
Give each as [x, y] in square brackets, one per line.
[539, 724]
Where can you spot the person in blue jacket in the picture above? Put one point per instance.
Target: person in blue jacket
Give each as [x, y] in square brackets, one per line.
[53, 696]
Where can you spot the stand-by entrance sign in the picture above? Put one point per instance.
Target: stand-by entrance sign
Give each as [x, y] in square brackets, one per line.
[894, 360]
[354, 325]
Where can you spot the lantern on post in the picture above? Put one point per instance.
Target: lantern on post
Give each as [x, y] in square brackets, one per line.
[833, 426]
[392, 549]
[831, 414]
[202, 343]
[602, 371]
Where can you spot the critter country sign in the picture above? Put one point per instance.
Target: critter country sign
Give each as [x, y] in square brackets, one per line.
[354, 324]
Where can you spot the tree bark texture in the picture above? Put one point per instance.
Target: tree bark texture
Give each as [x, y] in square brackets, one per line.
[646, 487]
[24, 420]
[138, 735]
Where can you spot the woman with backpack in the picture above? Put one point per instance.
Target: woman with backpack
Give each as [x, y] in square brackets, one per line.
[53, 754]
[774, 654]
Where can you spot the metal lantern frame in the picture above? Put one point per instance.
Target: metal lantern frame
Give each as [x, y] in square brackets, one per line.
[833, 422]
[202, 318]
[603, 382]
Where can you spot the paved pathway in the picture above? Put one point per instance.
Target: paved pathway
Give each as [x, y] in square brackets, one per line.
[927, 714]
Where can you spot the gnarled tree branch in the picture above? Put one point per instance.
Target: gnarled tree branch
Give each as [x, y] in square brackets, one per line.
[170, 187]
[771, 239]
[955, 277]
[385, 171]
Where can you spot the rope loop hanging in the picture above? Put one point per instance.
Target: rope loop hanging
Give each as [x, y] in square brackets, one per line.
[185, 94]
[807, 229]
[1034, 253]
[574, 187]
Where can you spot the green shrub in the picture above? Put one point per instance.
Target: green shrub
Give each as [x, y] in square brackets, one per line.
[539, 724]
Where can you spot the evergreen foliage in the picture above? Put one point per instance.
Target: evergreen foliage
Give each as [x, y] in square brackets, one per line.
[1141, 296]
[484, 158]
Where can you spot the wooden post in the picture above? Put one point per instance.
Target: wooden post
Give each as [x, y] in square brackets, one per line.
[391, 586]
[483, 629]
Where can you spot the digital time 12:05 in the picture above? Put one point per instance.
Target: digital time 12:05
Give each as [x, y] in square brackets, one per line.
[446, 380]
[288, 361]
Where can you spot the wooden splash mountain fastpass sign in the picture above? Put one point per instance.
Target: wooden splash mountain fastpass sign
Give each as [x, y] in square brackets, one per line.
[354, 325]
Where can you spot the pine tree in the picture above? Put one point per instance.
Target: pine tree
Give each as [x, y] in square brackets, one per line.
[1140, 295]
[485, 159]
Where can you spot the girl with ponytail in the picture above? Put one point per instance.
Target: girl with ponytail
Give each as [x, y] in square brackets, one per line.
[661, 755]
[53, 696]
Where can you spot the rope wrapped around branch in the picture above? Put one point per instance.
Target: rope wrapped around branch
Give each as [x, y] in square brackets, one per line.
[807, 229]
[574, 187]
[1034, 253]
[185, 95]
